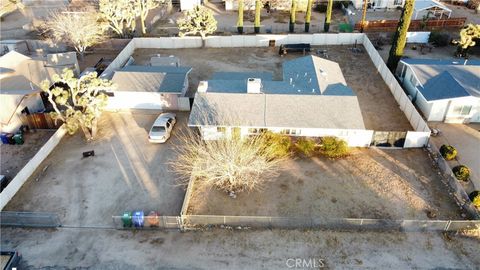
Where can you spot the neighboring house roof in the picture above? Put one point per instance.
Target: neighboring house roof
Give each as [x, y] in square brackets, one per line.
[316, 97]
[265, 76]
[274, 110]
[20, 74]
[426, 4]
[161, 79]
[446, 79]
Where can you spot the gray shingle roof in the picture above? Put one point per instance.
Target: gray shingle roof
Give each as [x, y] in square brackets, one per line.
[466, 76]
[276, 110]
[162, 79]
[265, 76]
[443, 86]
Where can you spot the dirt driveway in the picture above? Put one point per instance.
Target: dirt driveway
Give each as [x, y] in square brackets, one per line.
[371, 183]
[126, 173]
[379, 109]
[466, 138]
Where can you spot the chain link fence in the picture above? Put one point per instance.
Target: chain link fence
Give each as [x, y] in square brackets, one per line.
[29, 219]
[198, 221]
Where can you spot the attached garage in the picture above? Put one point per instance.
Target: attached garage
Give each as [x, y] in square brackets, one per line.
[150, 87]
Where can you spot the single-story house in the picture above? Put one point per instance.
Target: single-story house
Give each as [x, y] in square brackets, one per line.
[149, 87]
[277, 5]
[379, 4]
[312, 100]
[444, 90]
[20, 79]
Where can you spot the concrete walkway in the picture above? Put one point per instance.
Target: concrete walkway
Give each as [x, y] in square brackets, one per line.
[466, 138]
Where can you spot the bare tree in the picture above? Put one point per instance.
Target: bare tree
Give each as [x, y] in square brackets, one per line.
[8, 6]
[77, 29]
[231, 164]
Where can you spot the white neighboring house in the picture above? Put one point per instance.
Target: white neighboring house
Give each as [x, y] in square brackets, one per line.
[20, 78]
[149, 87]
[313, 100]
[189, 4]
[444, 90]
[379, 4]
[430, 8]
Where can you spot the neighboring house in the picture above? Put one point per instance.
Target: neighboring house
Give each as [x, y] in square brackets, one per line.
[20, 79]
[149, 87]
[429, 8]
[444, 90]
[189, 4]
[312, 100]
[275, 5]
[379, 4]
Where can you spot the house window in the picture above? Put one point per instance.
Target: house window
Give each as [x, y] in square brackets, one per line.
[221, 129]
[285, 131]
[398, 2]
[462, 110]
[257, 130]
[413, 80]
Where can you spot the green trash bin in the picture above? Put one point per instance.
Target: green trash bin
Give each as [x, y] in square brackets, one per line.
[127, 219]
[18, 138]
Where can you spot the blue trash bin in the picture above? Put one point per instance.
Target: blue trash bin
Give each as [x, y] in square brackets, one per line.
[3, 137]
[138, 219]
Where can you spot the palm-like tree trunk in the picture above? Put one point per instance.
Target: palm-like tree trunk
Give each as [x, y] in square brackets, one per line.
[258, 9]
[308, 15]
[400, 36]
[328, 16]
[240, 17]
[293, 10]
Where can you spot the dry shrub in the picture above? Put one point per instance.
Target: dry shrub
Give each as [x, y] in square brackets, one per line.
[333, 147]
[306, 146]
[231, 165]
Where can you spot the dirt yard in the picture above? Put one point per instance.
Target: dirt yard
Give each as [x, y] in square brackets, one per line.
[380, 111]
[67, 248]
[127, 173]
[14, 157]
[371, 183]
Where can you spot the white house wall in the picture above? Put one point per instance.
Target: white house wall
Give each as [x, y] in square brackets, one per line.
[354, 138]
[451, 117]
[142, 100]
[437, 110]
[423, 105]
[34, 104]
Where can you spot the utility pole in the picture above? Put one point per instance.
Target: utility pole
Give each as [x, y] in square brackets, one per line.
[364, 15]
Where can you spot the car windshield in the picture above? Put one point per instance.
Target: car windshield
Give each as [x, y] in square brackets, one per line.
[158, 129]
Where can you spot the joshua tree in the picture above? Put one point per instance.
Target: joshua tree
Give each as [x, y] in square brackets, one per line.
[120, 14]
[7, 6]
[240, 16]
[77, 102]
[400, 36]
[467, 39]
[328, 16]
[293, 10]
[198, 20]
[79, 30]
[258, 9]
[308, 15]
[143, 7]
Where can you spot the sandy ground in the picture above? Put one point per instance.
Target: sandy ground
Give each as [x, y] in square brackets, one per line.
[466, 138]
[371, 183]
[379, 109]
[223, 249]
[126, 173]
[446, 52]
[14, 157]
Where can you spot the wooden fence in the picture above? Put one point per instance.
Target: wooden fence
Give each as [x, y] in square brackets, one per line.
[415, 25]
[40, 121]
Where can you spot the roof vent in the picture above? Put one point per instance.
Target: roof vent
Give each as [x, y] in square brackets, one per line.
[323, 72]
[202, 87]
[254, 86]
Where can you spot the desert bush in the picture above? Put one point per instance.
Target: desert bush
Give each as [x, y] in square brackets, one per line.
[231, 165]
[280, 145]
[440, 39]
[475, 198]
[305, 146]
[461, 172]
[333, 147]
[448, 152]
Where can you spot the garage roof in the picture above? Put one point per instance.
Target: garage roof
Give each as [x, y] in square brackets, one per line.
[160, 79]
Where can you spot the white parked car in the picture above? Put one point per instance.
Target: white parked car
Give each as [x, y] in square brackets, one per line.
[162, 128]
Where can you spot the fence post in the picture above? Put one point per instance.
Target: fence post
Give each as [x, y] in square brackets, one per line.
[447, 226]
